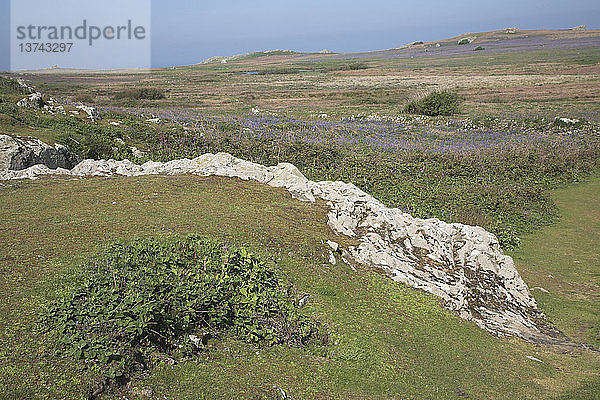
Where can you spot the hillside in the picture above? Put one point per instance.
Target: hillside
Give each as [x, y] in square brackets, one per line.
[406, 342]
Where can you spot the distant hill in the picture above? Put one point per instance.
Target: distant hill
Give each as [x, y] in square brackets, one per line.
[507, 39]
[248, 56]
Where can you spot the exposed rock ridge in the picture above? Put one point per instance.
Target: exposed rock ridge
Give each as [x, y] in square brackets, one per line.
[20, 153]
[461, 264]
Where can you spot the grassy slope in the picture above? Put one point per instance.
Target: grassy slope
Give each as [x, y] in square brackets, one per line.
[391, 341]
[564, 259]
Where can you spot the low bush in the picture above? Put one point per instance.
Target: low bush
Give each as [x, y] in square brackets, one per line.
[434, 104]
[354, 66]
[140, 94]
[147, 299]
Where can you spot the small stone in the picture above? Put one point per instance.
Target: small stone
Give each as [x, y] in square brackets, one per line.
[332, 259]
[281, 392]
[541, 289]
[534, 359]
[334, 246]
[461, 392]
[91, 112]
[303, 300]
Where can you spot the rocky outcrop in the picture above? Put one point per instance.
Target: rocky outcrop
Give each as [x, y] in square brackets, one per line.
[461, 264]
[28, 88]
[92, 112]
[20, 153]
[467, 40]
[34, 100]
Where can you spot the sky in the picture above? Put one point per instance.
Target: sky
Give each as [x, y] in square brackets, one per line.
[188, 31]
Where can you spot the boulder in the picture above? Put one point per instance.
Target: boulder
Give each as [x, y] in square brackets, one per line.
[34, 100]
[467, 40]
[92, 112]
[20, 153]
[566, 121]
[33, 172]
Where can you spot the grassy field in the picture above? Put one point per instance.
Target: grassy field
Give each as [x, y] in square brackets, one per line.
[389, 341]
[564, 260]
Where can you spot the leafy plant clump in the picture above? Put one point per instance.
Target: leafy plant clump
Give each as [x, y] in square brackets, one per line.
[436, 103]
[147, 299]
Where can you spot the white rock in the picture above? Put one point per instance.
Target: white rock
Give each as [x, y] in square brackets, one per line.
[534, 359]
[91, 112]
[17, 153]
[334, 246]
[332, 259]
[34, 100]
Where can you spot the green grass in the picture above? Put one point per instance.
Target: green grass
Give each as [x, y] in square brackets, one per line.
[564, 259]
[389, 341]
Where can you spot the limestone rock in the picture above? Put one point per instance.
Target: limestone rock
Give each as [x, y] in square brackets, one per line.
[34, 100]
[33, 172]
[288, 176]
[467, 40]
[92, 112]
[20, 153]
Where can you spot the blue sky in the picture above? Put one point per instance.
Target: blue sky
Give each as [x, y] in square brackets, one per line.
[188, 31]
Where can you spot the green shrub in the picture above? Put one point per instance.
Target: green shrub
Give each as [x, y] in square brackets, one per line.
[436, 103]
[140, 94]
[169, 297]
[353, 66]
